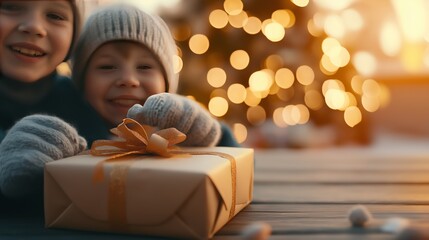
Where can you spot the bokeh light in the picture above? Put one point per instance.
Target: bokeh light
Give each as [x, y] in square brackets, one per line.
[218, 106]
[239, 59]
[216, 77]
[218, 18]
[199, 43]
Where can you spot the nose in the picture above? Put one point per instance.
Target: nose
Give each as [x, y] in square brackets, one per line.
[33, 24]
[128, 79]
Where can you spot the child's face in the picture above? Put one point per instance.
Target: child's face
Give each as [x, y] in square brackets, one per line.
[35, 37]
[119, 75]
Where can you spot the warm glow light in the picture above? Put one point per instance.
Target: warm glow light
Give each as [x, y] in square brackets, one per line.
[327, 66]
[390, 39]
[233, 7]
[384, 95]
[219, 92]
[237, 93]
[251, 99]
[412, 18]
[313, 29]
[239, 59]
[278, 118]
[64, 69]
[328, 44]
[319, 20]
[256, 115]
[199, 43]
[334, 26]
[239, 20]
[332, 84]
[371, 88]
[351, 100]
[426, 57]
[356, 84]
[300, 3]
[253, 25]
[274, 89]
[262, 94]
[305, 75]
[177, 64]
[365, 63]
[334, 5]
[339, 56]
[281, 16]
[240, 132]
[260, 81]
[218, 106]
[295, 114]
[291, 17]
[274, 31]
[313, 99]
[287, 115]
[151, 6]
[335, 99]
[352, 19]
[216, 77]
[284, 78]
[412, 56]
[218, 18]
[304, 114]
[370, 103]
[273, 62]
[371, 95]
[352, 116]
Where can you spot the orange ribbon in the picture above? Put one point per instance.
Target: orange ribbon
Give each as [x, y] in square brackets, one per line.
[135, 140]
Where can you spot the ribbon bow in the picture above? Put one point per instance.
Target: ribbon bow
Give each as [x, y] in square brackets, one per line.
[133, 139]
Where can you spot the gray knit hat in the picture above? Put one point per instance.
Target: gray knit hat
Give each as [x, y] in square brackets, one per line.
[125, 22]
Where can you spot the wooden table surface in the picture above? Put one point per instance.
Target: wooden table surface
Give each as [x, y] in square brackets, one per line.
[306, 194]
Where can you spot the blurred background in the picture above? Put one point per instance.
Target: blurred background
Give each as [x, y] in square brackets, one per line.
[303, 73]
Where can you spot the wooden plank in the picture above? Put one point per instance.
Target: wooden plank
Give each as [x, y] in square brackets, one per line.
[341, 193]
[342, 177]
[322, 219]
[340, 160]
[351, 236]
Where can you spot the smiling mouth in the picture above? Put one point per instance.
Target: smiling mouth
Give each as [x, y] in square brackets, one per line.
[125, 102]
[28, 52]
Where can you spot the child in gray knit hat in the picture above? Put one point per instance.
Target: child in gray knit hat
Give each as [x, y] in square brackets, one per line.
[123, 63]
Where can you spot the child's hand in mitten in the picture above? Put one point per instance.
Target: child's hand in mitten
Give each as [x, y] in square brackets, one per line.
[167, 110]
[28, 145]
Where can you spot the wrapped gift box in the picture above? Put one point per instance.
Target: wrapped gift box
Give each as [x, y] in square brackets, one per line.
[184, 196]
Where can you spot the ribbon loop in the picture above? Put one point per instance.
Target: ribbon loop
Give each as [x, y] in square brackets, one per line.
[133, 139]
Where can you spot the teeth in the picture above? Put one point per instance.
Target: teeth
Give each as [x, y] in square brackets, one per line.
[27, 51]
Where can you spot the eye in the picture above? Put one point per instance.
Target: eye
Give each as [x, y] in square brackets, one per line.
[144, 67]
[106, 67]
[56, 16]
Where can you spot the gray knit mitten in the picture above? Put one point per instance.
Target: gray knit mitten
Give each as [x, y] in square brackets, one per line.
[29, 144]
[167, 110]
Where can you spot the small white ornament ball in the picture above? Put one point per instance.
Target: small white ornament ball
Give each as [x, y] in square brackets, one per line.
[256, 231]
[359, 215]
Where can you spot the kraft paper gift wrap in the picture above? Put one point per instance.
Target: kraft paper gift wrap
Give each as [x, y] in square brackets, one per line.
[183, 196]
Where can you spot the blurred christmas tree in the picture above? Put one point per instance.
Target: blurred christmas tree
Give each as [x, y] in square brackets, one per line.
[254, 63]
